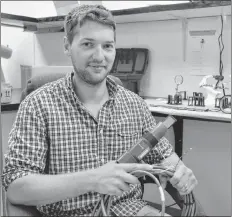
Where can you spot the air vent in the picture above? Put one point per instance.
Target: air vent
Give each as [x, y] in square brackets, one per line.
[202, 32]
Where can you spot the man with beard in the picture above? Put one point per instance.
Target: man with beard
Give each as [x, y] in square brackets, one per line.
[69, 133]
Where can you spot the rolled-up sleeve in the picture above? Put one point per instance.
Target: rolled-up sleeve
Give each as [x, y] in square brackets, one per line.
[28, 147]
[163, 149]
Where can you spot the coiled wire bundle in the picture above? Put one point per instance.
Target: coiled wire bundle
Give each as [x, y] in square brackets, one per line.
[188, 203]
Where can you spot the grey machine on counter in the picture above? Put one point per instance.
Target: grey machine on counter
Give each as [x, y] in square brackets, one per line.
[130, 65]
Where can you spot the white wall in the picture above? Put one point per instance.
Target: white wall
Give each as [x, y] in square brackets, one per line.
[164, 40]
[22, 45]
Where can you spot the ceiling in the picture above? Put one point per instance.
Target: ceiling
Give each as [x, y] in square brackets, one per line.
[38, 9]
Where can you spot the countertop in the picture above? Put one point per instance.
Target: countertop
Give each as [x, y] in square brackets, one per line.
[157, 105]
[160, 106]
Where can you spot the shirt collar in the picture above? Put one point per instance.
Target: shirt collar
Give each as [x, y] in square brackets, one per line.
[110, 83]
[112, 87]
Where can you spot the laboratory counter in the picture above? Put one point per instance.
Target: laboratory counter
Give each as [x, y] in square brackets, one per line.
[160, 106]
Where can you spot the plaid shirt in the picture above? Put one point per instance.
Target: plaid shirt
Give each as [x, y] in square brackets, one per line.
[52, 122]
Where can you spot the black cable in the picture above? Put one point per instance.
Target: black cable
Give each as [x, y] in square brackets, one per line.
[171, 205]
[222, 43]
[221, 48]
[219, 55]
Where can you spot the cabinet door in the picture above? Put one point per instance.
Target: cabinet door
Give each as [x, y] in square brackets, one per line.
[3, 211]
[6, 121]
[210, 160]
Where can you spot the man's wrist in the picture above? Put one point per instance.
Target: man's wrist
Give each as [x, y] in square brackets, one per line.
[84, 180]
[91, 180]
[172, 161]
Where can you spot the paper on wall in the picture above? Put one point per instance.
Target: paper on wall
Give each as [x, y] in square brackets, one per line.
[202, 52]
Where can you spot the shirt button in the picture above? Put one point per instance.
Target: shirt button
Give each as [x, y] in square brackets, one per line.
[101, 131]
[102, 160]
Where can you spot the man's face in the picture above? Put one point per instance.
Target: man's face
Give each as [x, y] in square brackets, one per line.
[92, 51]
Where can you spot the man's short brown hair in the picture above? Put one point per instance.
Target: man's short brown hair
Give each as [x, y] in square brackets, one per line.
[77, 16]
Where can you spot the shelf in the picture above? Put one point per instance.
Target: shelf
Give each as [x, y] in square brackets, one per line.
[18, 21]
[144, 14]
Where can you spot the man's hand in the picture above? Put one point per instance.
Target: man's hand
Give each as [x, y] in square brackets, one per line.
[183, 179]
[114, 179]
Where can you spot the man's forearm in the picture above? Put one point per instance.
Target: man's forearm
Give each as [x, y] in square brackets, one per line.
[39, 189]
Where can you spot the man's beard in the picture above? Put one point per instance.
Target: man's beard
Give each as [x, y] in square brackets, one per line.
[87, 77]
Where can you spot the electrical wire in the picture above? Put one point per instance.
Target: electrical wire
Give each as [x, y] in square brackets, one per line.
[162, 197]
[221, 48]
[191, 207]
[170, 205]
[104, 208]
